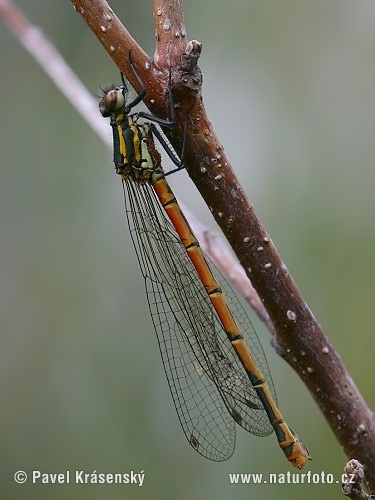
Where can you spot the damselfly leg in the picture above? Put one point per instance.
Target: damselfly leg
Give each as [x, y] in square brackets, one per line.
[163, 123]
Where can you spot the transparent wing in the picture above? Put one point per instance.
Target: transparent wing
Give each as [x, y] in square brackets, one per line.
[209, 386]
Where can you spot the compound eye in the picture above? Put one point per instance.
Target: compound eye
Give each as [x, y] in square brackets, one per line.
[112, 101]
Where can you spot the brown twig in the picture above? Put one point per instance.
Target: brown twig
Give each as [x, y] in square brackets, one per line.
[354, 486]
[300, 339]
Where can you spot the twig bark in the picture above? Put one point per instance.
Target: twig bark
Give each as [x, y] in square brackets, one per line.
[354, 486]
[299, 339]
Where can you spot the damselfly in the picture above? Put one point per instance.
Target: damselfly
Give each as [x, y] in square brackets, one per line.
[215, 366]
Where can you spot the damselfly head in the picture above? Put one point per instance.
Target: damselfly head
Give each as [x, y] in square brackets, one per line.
[113, 100]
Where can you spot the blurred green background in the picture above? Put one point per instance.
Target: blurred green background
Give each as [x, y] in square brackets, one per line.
[290, 88]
